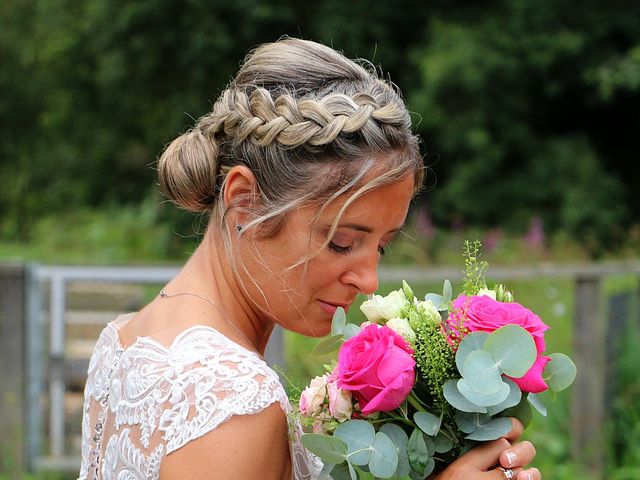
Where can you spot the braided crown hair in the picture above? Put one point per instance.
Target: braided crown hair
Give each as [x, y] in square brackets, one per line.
[309, 123]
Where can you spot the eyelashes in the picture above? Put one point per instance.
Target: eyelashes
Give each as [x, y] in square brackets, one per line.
[334, 247]
[339, 249]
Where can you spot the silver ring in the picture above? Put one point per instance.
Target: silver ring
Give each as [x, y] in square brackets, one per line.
[508, 473]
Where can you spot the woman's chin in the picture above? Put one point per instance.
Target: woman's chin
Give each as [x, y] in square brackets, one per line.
[317, 330]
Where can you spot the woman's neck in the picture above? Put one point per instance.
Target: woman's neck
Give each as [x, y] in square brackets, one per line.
[209, 274]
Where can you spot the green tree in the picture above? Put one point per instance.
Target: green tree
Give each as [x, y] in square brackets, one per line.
[512, 97]
[527, 108]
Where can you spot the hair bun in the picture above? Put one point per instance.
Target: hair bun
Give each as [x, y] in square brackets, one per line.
[188, 169]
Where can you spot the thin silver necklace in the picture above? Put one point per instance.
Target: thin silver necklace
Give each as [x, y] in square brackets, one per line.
[164, 294]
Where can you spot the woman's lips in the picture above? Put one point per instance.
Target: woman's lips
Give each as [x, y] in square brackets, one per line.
[331, 307]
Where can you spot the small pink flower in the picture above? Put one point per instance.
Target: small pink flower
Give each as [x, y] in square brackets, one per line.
[340, 404]
[318, 427]
[378, 367]
[484, 314]
[313, 397]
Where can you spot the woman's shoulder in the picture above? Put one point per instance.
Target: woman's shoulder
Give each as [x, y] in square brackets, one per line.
[247, 446]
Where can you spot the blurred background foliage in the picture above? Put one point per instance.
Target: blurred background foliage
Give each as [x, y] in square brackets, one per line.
[528, 109]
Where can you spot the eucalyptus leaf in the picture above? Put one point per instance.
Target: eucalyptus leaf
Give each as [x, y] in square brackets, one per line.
[417, 451]
[536, 402]
[447, 291]
[342, 472]
[326, 470]
[469, 422]
[431, 446]
[514, 397]
[480, 373]
[328, 345]
[329, 449]
[431, 465]
[400, 439]
[512, 349]
[364, 474]
[384, 457]
[437, 300]
[352, 472]
[442, 443]
[427, 422]
[560, 372]
[472, 341]
[350, 331]
[491, 430]
[459, 401]
[359, 435]
[480, 399]
[522, 412]
[338, 321]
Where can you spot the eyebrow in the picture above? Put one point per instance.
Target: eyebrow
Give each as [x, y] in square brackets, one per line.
[364, 228]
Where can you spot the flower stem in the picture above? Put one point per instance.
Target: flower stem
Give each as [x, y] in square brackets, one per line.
[415, 402]
[402, 419]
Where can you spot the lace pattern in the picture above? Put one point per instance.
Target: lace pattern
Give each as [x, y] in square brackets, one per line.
[145, 402]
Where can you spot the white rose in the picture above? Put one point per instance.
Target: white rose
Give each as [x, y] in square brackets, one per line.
[486, 292]
[313, 396]
[384, 308]
[430, 311]
[401, 327]
[340, 404]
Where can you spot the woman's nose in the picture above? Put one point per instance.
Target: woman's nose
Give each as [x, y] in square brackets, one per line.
[364, 275]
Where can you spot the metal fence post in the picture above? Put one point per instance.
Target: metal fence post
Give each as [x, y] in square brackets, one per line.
[56, 367]
[587, 413]
[34, 362]
[12, 343]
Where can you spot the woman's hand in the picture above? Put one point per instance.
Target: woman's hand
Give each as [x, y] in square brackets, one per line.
[483, 462]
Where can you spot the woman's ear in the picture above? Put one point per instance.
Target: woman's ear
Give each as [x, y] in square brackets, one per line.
[240, 188]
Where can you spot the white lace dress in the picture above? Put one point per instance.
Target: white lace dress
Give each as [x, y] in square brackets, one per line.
[144, 402]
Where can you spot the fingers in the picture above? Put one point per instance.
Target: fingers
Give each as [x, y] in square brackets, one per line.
[499, 474]
[516, 431]
[529, 474]
[518, 455]
[520, 474]
[487, 455]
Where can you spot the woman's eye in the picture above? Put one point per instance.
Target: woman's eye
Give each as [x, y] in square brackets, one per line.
[334, 247]
[382, 250]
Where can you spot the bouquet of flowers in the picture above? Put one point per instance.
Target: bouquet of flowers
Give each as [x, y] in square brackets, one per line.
[423, 381]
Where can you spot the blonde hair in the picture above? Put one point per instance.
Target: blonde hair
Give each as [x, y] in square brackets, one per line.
[294, 107]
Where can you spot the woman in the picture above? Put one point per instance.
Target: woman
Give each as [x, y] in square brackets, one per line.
[306, 166]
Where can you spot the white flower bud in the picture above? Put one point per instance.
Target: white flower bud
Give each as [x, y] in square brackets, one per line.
[401, 326]
[430, 311]
[486, 292]
[384, 308]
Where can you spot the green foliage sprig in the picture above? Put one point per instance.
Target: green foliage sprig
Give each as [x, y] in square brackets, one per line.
[474, 268]
[435, 360]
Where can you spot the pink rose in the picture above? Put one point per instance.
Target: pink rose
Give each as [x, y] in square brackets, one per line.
[378, 367]
[484, 314]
